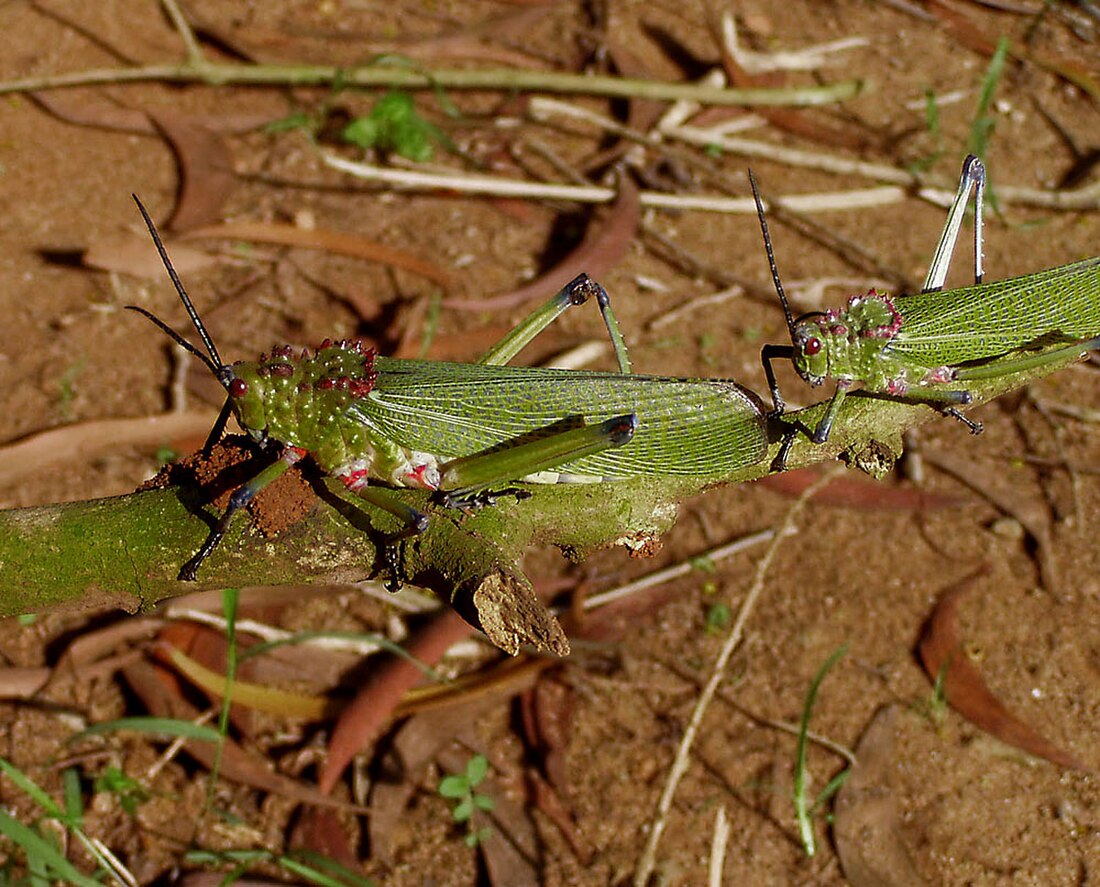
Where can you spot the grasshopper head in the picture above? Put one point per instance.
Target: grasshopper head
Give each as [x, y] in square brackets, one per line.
[244, 383]
[810, 339]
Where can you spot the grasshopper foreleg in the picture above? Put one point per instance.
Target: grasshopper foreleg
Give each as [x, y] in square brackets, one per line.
[767, 354]
[238, 499]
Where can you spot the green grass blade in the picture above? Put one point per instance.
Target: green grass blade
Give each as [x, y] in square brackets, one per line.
[74, 798]
[801, 800]
[982, 126]
[324, 864]
[230, 599]
[31, 789]
[41, 854]
[163, 726]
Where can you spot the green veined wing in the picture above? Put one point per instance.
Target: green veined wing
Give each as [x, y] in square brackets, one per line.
[687, 427]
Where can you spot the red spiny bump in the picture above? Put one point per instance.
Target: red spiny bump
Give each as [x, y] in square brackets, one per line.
[832, 315]
[282, 369]
[361, 387]
[325, 343]
[896, 325]
[342, 382]
[304, 386]
[261, 370]
[326, 384]
[282, 351]
[838, 329]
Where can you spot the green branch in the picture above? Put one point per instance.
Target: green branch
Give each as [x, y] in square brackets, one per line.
[126, 551]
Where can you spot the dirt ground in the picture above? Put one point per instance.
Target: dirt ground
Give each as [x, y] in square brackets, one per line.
[934, 798]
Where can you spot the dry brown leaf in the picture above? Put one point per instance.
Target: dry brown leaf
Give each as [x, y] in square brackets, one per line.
[867, 829]
[133, 254]
[205, 165]
[326, 240]
[941, 651]
[84, 441]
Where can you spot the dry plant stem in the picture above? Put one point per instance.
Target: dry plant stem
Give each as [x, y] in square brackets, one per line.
[502, 79]
[718, 847]
[84, 441]
[732, 642]
[938, 192]
[1087, 198]
[479, 184]
[187, 35]
[659, 577]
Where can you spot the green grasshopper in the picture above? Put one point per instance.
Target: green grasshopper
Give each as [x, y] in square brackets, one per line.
[465, 430]
[914, 347]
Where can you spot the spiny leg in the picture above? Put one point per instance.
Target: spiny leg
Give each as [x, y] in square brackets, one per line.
[767, 354]
[238, 500]
[578, 291]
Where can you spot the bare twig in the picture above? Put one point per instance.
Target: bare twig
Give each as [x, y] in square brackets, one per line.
[501, 187]
[718, 847]
[505, 79]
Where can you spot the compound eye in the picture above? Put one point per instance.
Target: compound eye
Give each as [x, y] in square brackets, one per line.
[238, 388]
[812, 346]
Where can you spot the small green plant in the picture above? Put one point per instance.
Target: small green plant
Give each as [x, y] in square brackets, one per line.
[66, 391]
[128, 790]
[935, 132]
[394, 125]
[804, 810]
[934, 707]
[718, 617]
[459, 787]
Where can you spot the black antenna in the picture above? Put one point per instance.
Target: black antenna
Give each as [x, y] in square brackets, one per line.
[771, 254]
[214, 361]
[217, 366]
[177, 338]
